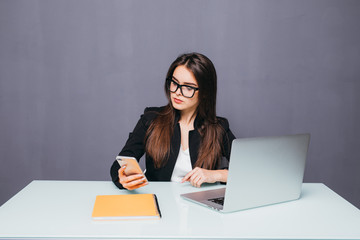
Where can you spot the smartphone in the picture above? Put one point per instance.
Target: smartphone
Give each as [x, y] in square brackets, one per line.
[132, 165]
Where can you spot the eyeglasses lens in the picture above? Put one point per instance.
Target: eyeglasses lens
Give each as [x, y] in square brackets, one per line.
[185, 90]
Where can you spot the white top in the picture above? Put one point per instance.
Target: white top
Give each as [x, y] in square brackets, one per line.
[182, 166]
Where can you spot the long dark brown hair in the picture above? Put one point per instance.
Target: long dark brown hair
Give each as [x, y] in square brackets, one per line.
[159, 134]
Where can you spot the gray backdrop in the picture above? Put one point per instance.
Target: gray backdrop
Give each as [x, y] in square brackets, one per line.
[76, 75]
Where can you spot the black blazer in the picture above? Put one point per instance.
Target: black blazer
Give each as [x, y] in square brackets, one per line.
[135, 147]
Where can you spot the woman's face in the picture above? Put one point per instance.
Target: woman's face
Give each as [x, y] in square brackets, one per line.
[183, 76]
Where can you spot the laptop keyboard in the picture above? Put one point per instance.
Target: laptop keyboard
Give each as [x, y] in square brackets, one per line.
[219, 200]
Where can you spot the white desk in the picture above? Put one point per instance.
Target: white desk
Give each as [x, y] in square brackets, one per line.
[62, 209]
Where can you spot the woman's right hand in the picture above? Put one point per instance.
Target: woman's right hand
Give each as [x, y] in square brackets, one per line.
[131, 182]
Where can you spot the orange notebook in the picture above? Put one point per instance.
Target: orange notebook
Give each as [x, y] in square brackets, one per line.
[125, 207]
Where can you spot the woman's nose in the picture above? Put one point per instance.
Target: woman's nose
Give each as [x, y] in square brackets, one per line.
[178, 91]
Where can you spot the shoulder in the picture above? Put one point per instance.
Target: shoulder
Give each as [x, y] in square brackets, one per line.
[150, 113]
[228, 136]
[153, 110]
[223, 122]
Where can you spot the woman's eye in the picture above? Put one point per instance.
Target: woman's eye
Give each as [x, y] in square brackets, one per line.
[189, 88]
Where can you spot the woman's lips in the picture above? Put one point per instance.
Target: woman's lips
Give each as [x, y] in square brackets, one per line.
[176, 100]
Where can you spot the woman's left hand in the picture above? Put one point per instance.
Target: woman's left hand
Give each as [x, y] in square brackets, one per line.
[198, 176]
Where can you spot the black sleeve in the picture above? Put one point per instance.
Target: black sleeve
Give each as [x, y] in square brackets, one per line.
[135, 145]
[228, 137]
[114, 174]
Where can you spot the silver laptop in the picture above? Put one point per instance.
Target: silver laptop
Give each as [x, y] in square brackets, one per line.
[262, 171]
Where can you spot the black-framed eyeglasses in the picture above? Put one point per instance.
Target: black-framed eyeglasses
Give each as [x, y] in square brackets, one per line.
[186, 90]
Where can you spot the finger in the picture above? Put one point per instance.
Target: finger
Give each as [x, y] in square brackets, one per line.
[127, 179]
[184, 179]
[189, 175]
[195, 180]
[135, 177]
[121, 174]
[199, 181]
[135, 184]
[122, 171]
[194, 176]
[138, 186]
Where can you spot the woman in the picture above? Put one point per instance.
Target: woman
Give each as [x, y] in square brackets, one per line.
[184, 140]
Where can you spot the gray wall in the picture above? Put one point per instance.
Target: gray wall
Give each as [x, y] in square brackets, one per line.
[76, 75]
